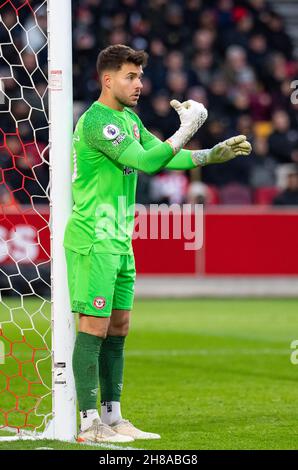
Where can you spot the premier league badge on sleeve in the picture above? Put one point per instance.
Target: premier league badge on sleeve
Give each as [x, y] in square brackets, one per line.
[111, 131]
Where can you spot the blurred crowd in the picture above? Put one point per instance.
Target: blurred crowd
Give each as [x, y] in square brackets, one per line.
[233, 56]
[24, 136]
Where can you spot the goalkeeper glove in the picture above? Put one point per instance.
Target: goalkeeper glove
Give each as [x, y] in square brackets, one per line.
[192, 116]
[222, 152]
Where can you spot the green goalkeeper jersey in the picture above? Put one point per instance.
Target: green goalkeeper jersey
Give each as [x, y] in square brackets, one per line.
[109, 147]
[104, 189]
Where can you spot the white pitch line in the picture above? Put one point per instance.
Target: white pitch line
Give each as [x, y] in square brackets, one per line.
[206, 352]
[105, 445]
[44, 448]
[198, 352]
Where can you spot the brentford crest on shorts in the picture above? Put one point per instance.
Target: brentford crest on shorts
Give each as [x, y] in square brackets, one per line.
[99, 302]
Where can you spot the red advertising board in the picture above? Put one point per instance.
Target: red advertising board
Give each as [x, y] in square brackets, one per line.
[246, 241]
[24, 238]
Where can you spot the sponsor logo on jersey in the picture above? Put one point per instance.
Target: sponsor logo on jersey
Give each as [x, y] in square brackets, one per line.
[119, 139]
[136, 131]
[99, 303]
[127, 170]
[111, 131]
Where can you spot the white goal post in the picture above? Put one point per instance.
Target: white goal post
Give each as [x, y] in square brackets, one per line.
[62, 423]
[61, 127]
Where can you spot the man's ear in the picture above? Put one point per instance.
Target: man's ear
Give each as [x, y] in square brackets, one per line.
[106, 80]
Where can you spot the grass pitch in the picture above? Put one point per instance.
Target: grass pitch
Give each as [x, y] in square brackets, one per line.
[205, 374]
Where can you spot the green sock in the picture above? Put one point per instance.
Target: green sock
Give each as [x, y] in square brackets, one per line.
[111, 364]
[85, 369]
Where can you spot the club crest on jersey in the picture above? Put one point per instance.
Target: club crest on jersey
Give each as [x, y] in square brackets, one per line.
[99, 303]
[110, 131]
[136, 131]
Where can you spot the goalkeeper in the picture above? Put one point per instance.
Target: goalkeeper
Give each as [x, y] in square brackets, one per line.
[110, 144]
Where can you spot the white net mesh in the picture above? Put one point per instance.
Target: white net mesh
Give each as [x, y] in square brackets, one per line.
[25, 323]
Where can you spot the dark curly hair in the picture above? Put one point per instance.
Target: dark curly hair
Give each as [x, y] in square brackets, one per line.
[113, 57]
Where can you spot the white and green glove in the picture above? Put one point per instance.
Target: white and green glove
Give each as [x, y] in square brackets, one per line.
[192, 116]
[222, 152]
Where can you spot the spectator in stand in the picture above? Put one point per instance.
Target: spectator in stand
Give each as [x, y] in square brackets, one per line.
[174, 62]
[203, 40]
[25, 172]
[169, 187]
[174, 29]
[277, 70]
[224, 13]
[263, 169]
[260, 102]
[279, 39]
[218, 102]
[245, 126]
[243, 26]
[289, 197]
[163, 116]
[281, 98]
[177, 83]
[236, 68]
[197, 193]
[257, 52]
[260, 10]
[207, 19]
[203, 67]
[155, 69]
[283, 139]
[8, 204]
[199, 94]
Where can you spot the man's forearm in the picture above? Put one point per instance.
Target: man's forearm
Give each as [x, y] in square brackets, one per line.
[149, 160]
[181, 161]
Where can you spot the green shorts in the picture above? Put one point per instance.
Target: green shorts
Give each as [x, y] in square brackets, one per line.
[100, 282]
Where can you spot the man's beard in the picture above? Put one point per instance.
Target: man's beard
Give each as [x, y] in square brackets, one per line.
[125, 102]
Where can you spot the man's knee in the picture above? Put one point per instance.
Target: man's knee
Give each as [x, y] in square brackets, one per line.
[119, 324]
[97, 326]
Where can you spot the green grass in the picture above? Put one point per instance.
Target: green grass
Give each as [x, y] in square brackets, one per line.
[205, 374]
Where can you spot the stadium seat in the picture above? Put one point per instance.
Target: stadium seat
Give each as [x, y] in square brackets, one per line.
[265, 196]
[212, 195]
[235, 194]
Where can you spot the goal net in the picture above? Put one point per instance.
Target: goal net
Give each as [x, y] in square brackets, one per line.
[36, 327]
